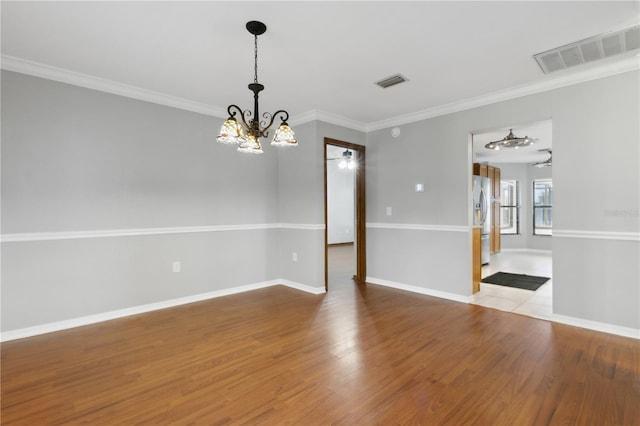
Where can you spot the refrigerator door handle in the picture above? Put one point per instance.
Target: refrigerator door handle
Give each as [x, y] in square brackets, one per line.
[483, 207]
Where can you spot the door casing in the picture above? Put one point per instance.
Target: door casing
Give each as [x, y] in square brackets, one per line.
[360, 213]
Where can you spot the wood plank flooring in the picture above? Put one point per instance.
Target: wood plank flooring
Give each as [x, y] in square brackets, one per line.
[361, 354]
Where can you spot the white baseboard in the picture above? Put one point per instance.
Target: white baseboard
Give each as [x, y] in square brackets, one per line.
[597, 326]
[577, 322]
[135, 310]
[421, 290]
[303, 287]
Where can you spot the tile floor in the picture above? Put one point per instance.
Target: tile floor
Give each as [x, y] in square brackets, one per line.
[537, 304]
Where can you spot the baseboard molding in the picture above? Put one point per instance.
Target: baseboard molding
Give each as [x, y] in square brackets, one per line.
[420, 290]
[302, 287]
[597, 326]
[141, 309]
[562, 319]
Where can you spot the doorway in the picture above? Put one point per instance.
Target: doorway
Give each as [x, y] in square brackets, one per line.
[344, 208]
[520, 217]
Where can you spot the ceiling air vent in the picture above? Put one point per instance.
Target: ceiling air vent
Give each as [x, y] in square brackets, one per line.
[391, 81]
[590, 49]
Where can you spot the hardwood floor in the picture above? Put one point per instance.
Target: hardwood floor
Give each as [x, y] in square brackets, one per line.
[357, 355]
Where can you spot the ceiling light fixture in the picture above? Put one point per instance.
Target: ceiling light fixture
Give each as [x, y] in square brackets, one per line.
[347, 161]
[247, 135]
[511, 141]
[545, 163]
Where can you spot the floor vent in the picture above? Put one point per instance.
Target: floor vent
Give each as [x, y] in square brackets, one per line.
[391, 81]
[590, 49]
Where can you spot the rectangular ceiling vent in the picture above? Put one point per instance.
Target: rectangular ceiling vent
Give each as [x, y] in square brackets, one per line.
[590, 49]
[392, 81]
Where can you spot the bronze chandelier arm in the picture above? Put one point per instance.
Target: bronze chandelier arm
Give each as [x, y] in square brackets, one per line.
[273, 117]
[234, 113]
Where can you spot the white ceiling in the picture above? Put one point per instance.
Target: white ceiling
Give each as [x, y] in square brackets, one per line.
[315, 56]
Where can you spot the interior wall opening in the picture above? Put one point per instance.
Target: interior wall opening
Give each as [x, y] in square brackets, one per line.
[344, 213]
[512, 218]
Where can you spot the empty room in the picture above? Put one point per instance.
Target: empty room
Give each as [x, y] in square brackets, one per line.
[320, 212]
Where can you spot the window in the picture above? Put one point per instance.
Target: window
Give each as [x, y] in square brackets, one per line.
[542, 204]
[509, 207]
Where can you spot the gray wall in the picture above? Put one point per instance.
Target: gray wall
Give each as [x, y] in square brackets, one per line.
[75, 159]
[301, 200]
[596, 179]
[433, 152]
[525, 174]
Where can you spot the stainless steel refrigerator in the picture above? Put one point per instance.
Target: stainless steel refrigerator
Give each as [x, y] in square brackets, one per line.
[481, 216]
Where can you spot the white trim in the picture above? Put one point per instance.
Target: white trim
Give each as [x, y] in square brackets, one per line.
[74, 235]
[597, 326]
[306, 226]
[24, 66]
[328, 117]
[420, 290]
[550, 82]
[562, 319]
[597, 235]
[419, 227]
[135, 310]
[302, 287]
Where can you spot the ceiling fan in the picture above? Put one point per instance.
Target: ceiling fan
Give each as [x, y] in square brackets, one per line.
[545, 163]
[346, 160]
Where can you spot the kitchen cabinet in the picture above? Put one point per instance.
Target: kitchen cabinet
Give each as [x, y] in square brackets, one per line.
[480, 169]
[495, 210]
[477, 263]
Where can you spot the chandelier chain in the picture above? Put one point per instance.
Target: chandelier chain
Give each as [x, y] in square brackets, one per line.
[255, 58]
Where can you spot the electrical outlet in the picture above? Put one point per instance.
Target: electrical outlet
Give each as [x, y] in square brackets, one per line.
[294, 256]
[419, 187]
[389, 211]
[177, 266]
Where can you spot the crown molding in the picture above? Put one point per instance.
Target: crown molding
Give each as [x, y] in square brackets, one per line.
[550, 82]
[328, 117]
[36, 69]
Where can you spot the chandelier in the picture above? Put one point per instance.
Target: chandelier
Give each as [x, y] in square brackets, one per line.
[247, 134]
[511, 141]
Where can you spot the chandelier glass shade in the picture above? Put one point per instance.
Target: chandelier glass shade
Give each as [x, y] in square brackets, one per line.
[511, 141]
[247, 132]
